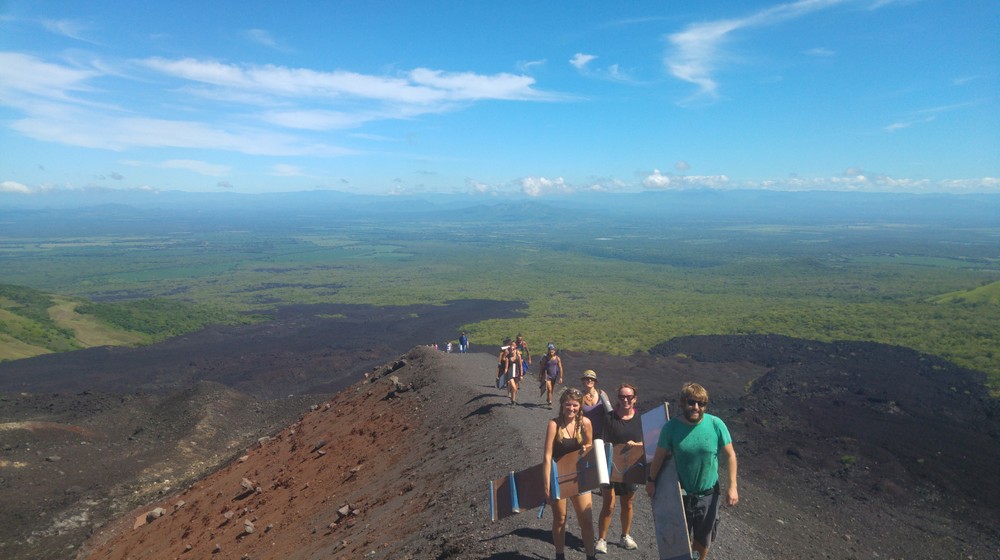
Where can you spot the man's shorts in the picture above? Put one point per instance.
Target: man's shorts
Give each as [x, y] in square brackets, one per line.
[702, 517]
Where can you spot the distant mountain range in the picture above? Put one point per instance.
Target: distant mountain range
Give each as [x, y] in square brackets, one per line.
[20, 214]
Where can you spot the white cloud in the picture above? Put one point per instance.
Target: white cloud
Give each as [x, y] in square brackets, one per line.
[706, 181]
[74, 29]
[50, 97]
[108, 132]
[580, 60]
[656, 180]
[605, 185]
[681, 165]
[528, 66]
[23, 74]
[261, 37]
[467, 86]
[14, 187]
[197, 166]
[612, 73]
[286, 170]
[539, 186]
[200, 167]
[820, 51]
[697, 51]
[856, 180]
[317, 119]
[477, 187]
[419, 86]
[923, 116]
[984, 184]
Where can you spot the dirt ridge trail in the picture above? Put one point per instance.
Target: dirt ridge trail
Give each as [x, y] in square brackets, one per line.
[396, 466]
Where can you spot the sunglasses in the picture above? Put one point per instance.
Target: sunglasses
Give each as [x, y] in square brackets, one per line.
[692, 403]
[627, 397]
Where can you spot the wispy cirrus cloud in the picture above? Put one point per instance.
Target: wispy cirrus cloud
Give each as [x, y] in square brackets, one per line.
[582, 62]
[927, 115]
[74, 29]
[27, 78]
[820, 52]
[698, 50]
[265, 38]
[197, 166]
[286, 170]
[530, 65]
[418, 86]
[64, 104]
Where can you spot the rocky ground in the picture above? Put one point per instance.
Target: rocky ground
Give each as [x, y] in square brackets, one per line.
[86, 436]
[846, 451]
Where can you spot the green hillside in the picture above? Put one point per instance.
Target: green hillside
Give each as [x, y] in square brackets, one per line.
[988, 294]
[33, 322]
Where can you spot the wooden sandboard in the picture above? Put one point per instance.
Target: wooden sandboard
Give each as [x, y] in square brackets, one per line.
[668, 509]
[577, 474]
[627, 464]
[525, 489]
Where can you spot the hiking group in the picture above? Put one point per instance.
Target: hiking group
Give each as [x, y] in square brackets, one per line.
[693, 439]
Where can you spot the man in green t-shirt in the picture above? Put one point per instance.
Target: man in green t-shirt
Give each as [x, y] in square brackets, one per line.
[695, 439]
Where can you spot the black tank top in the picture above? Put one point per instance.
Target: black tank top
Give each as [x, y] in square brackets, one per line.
[561, 446]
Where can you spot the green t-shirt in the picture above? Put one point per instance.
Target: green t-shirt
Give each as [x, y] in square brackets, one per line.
[696, 450]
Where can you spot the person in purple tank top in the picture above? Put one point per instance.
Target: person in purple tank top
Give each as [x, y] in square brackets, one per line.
[550, 372]
[596, 403]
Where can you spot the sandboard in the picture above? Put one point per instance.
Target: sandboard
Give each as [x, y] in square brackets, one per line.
[571, 475]
[627, 464]
[507, 376]
[668, 508]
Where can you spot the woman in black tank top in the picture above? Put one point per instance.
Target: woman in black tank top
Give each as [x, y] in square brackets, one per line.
[570, 432]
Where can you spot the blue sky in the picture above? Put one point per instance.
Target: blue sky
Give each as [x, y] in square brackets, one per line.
[539, 98]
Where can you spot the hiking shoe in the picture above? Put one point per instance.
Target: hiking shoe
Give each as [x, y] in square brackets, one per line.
[601, 546]
[628, 543]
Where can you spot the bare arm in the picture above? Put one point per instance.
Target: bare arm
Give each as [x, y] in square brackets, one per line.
[560, 370]
[732, 494]
[662, 456]
[588, 434]
[550, 436]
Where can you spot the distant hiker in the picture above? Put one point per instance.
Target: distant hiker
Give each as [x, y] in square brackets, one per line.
[463, 343]
[509, 364]
[550, 372]
[522, 347]
[448, 348]
[622, 426]
[695, 439]
[570, 432]
[596, 404]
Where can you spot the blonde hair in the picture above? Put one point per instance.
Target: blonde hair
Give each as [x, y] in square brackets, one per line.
[571, 394]
[694, 391]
